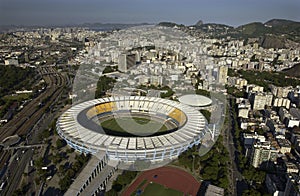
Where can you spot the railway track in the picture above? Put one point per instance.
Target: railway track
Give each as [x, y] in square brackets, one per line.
[22, 123]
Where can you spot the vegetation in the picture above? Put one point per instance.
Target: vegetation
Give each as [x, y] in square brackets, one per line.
[265, 78]
[104, 84]
[203, 92]
[70, 173]
[12, 79]
[254, 177]
[15, 78]
[158, 189]
[235, 91]
[121, 182]
[169, 93]
[206, 114]
[170, 24]
[212, 166]
[274, 28]
[60, 143]
[108, 69]
[22, 191]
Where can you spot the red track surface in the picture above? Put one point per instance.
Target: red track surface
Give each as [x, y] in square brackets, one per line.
[168, 176]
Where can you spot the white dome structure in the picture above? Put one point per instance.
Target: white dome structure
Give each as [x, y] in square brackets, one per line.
[195, 100]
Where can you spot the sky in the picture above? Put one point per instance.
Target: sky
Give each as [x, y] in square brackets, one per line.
[188, 12]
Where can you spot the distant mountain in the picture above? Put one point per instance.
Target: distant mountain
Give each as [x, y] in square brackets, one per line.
[276, 33]
[281, 23]
[199, 23]
[215, 26]
[170, 24]
[253, 29]
[274, 26]
[272, 34]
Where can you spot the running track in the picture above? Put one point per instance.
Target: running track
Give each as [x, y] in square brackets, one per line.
[168, 176]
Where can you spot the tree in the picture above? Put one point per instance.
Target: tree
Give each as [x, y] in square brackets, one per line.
[203, 92]
[169, 93]
[104, 84]
[206, 114]
[108, 69]
[111, 192]
[60, 143]
[64, 183]
[117, 187]
[39, 162]
[61, 169]
[251, 192]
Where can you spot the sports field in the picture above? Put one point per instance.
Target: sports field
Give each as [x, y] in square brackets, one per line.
[158, 190]
[163, 181]
[135, 125]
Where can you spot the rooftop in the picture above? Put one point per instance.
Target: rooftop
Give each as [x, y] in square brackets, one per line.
[195, 100]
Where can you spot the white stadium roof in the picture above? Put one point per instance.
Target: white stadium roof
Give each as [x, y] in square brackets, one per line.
[69, 127]
[195, 100]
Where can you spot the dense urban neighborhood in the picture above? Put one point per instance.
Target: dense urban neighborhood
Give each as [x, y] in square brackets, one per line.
[227, 100]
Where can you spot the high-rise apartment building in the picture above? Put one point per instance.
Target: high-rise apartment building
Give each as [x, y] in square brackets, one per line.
[126, 61]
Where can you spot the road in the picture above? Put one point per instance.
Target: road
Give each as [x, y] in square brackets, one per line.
[229, 144]
[21, 123]
[24, 121]
[228, 141]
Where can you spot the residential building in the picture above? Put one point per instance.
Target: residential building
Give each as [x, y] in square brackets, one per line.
[263, 152]
[222, 75]
[260, 100]
[126, 61]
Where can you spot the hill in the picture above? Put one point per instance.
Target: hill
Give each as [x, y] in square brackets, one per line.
[170, 24]
[281, 22]
[275, 33]
[253, 29]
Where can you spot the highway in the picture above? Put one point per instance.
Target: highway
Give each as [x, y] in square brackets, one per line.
[23, 122]
[236, 177]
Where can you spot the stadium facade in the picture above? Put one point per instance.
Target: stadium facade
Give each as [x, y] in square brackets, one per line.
[78, 127]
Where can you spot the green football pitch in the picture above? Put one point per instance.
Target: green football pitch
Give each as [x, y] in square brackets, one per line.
[159, 190]
[134, 125]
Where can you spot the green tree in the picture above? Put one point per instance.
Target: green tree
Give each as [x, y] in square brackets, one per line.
[251, 192]
[104, 84]
[60, 143]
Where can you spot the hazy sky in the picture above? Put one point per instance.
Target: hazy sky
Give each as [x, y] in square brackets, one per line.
[232, 12]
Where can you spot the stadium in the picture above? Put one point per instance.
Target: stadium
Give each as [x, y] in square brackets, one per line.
[131, 128]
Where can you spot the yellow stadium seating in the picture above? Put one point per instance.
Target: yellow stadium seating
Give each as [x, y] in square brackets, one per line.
[178, 115]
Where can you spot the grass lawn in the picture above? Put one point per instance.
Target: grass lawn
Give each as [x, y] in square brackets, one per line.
[17, 97]
[160, 190]
[134, 124]
[139, 187]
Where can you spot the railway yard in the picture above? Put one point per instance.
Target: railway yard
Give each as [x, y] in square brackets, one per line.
[27, 124]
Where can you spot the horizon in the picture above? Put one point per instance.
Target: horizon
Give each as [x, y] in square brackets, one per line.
[57, 13]
[138, 23]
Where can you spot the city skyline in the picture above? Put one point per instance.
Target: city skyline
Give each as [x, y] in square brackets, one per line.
[231, 12]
